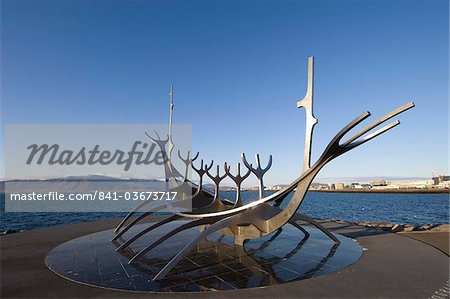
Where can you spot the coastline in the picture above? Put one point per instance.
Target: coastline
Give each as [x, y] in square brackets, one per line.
[421, 191]
[385, 226]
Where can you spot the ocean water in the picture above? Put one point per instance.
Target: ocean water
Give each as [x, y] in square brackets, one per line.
[416, 209]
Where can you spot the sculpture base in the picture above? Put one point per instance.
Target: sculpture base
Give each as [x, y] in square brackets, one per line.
[215, 264]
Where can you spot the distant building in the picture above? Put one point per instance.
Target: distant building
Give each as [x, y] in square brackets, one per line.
[441, 179]
[366, 186]
[355, 186]
[410, 185]
[379, 183]
[227, 188]
[319, 186]
[278, 187]
[339, 186]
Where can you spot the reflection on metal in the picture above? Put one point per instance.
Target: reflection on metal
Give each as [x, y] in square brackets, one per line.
[263, 216]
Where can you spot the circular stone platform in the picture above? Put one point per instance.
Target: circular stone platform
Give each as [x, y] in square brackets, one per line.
[215, 264]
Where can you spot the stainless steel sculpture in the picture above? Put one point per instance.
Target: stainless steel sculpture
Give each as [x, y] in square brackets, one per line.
[237, 179]
[258, 171]
[263, 216]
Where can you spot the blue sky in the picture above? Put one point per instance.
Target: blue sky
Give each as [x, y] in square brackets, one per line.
[239, 68]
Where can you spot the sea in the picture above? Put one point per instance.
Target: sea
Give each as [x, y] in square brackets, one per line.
[402, 208]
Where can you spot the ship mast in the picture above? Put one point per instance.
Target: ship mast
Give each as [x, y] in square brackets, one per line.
[171, 145]
[311, 121]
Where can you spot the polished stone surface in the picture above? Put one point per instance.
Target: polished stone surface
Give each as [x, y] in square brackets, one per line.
[215, 264]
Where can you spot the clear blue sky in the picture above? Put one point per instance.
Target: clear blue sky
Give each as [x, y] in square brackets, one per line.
[238, 68]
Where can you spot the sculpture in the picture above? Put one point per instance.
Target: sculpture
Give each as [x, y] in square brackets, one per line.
[260, 217]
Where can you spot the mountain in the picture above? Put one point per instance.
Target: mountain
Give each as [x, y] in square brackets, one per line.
[87, 183]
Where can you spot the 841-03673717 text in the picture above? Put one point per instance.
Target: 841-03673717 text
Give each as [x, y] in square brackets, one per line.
[96, 195]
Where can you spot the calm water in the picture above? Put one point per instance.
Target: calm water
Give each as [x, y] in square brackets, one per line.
[417, 209]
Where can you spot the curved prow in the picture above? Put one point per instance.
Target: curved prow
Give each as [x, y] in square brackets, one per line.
[332, 151]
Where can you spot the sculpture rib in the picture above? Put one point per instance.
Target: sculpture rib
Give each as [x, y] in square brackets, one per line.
[147, 230]
[379, 121]
[209, 230]
[170, 234]
[134, 221]
[124, 220]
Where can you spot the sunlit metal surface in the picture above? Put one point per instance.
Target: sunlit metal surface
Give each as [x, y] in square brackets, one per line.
[263, 216]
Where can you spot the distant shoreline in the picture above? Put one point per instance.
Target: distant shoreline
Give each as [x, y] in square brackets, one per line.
[422, 191]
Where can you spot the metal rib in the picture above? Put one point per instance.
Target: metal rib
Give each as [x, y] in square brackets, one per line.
[148, 229]
[374, 134]
[136, 220]
[168, 235]
[209, 230]
[124, 220]
[379, 121]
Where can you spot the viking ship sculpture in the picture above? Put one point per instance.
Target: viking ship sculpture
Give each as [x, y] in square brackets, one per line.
[260, 217]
